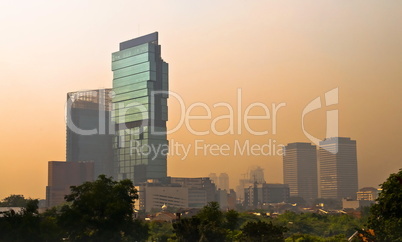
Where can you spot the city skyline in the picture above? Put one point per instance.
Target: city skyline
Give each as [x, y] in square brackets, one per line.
[279, 55]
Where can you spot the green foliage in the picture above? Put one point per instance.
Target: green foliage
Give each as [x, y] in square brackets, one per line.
[263, 231]
[188, 229]
[319, 225]
[207, 225]
[314, 238]
[28, 225]
[161, 231]
[247, 217]
[14, 201]
[231, 219]
[210, 224]
[102, 211]
[211, 212]
[386, 214]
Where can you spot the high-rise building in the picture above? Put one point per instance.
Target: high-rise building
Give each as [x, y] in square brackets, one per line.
[257, 195]
[243, 183]
[62, 175]
[257, 175]
[214, 178]
[222, 199]
[232, 199]
[338, 168]
[140, 85]
[223, 182]
[89, 131]
[300, 170]
[201, 190]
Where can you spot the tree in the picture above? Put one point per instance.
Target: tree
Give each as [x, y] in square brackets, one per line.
[232, 219]
[28, 225]
[102, 210]
[187, 229]
[160, 231]
[14, 201]
[263, 231]
[211, 212]
[207, 225]
[314, 238]
[386, 214]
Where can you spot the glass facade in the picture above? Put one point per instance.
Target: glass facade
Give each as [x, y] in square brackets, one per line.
[90, 111]
[139, 72]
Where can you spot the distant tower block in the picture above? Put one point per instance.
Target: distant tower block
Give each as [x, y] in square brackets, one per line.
[224, 181]
[338, 168]
[214, 179]
[257, 175]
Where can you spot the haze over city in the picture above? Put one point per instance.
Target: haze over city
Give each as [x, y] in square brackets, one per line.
[286, 52]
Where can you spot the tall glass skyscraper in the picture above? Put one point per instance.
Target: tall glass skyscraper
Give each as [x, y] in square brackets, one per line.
[139, 114]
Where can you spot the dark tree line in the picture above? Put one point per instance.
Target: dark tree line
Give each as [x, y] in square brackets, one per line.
[103, 211]
[95, 211]
[211, 224]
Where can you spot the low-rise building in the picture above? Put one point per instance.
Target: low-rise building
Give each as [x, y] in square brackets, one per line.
[367, 193]
[62, 175]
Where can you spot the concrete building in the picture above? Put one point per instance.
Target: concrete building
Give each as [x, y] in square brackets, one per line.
[201, 190]
[223, 182]
[176, 192]
[155, 195]
[368, 194]
[89, 130]
[355, 204]
[300, 170]
[257, 175]
[62, 175]
[259, 194]
[214, 179]
[232, 199]
[222, 199]
[243, 183]
[338, 168]
[140, 85]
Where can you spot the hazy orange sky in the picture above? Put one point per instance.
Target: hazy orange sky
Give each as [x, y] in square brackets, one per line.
[274, 51]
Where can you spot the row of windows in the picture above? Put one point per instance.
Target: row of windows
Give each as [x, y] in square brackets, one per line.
[138, 137]
[133, 86]
[131, 103]
[132, 70]
[137, 117]
[136, 50]
[131, 117]
[142, 142]
[145, 129]
[151, 155]
[132, 95]
[140, 77]
[132, 60]
[130, 169]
